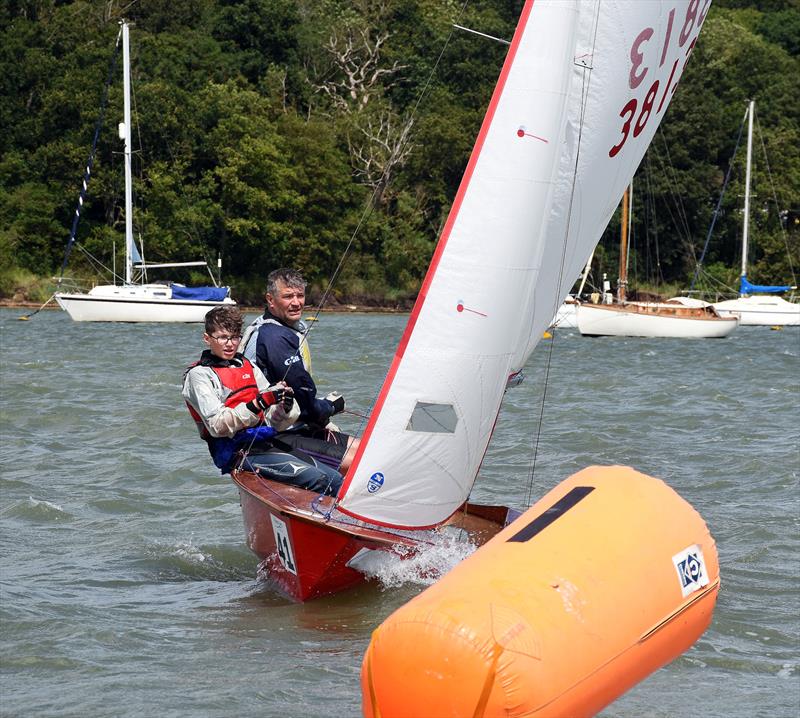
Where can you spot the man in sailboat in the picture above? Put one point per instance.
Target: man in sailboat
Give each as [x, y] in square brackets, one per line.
[276, 342]
[235, 408]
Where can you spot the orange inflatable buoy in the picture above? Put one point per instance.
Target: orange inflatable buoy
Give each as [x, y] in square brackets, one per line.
[605, 579]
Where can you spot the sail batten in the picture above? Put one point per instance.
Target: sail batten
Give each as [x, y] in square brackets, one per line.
[551, 161]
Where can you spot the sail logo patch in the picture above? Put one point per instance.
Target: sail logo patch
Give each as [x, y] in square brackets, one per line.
[691, 568]
[375, 482]
[292, 360]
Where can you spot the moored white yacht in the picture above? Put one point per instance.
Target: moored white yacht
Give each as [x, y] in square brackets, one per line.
[131, 301]
[757, 305]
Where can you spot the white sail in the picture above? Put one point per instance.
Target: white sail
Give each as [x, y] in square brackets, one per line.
[582, 91]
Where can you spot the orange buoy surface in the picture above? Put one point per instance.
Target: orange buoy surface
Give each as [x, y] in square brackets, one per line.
[605, 579]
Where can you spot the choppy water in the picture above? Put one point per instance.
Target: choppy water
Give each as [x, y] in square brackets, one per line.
[127, 589]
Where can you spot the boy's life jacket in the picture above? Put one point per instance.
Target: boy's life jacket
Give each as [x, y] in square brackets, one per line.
[241, 385]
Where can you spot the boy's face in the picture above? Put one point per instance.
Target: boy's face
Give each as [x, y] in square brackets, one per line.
[222, 343]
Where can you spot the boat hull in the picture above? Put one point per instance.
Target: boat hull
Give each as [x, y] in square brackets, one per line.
[310, 550]
[761, 311]
[653, 321]
[88, 308]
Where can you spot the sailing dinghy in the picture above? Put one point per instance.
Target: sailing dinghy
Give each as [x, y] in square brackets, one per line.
[134, 301]
[582, 90]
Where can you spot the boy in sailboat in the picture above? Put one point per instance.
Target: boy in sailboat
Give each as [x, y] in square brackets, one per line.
[235, 408]
[276, 342]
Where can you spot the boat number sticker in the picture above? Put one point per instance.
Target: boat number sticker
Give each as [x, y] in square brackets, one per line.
[375, 482]
[691, 568]
[283, 545]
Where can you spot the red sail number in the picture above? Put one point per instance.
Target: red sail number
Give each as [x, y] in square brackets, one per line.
[693, 21]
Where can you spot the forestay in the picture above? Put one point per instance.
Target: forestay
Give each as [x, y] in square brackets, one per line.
[580, 96]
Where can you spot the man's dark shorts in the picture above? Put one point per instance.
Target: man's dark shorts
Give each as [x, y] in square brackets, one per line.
[324, 445]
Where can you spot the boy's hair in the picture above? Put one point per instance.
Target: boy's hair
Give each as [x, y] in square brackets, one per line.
[227, 318]
[290, 277]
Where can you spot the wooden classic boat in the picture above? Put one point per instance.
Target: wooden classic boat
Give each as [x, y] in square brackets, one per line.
[671, 319]
[653, 319]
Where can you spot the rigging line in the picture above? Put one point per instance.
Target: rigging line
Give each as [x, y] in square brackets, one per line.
[587, 78]
[193, 233]
[672, 204]
[97, 263]
[681, 210]
[711, 279]
[674, 215]
[139, 198]
[657, 272]
[370, 206]
[366, 213]
[719, 204]
[125, 9]
[482, 34]
[651, 228]
[775, 199]
[88, 171]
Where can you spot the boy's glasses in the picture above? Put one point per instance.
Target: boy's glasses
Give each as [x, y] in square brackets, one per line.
[224, 339]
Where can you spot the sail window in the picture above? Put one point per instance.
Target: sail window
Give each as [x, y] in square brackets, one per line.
[433, 418]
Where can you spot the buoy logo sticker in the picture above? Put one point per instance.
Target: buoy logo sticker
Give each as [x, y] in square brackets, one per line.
[375, 482]
[691, 568]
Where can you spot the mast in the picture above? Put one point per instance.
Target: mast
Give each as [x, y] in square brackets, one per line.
[585, 275]
[746, 220]
[622, 283]
[125, 133]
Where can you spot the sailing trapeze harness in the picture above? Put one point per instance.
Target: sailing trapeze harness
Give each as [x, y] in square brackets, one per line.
[242, 387]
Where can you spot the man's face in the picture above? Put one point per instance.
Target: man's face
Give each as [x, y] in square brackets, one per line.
[287, 303]
[222, 343]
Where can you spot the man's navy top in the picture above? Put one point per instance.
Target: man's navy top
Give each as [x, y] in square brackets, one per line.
[279, 355]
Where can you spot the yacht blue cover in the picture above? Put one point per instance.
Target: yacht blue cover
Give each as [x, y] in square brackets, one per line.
[746, 288]
[199, 294]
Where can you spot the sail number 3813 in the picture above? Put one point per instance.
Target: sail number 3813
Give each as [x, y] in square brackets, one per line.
[635, 114]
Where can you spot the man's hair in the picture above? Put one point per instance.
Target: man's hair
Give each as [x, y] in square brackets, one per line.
[290, 277]
[227, 318]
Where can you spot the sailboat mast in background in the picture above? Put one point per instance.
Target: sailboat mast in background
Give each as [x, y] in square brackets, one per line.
[125, 134]
[746, 226]
[622, 282]
[140, 302]
[757, 304]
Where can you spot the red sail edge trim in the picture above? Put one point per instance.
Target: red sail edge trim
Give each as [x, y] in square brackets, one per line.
[437, 255]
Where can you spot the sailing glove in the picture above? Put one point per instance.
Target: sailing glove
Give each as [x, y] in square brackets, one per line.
[269, 398]
[338, 402]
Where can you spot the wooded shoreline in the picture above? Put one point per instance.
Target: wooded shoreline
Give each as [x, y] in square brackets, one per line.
[294, 134]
